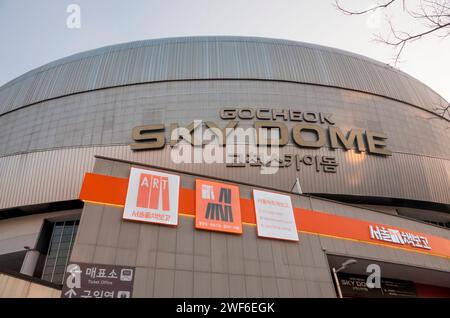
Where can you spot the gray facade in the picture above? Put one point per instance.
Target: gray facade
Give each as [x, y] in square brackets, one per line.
[200, 58]
[76, 115]
[77, 104]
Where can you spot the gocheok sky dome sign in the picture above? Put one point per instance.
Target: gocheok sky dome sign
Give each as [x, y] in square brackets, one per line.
[206, 142]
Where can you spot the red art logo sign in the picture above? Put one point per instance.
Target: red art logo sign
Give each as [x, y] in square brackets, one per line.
[152, 197]
[151, 188]
[217, 207]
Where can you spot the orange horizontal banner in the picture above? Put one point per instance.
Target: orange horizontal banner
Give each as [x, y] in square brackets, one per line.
[108, 190]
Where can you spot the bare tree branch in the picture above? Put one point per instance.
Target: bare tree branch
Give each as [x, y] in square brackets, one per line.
[363, 11]
[443, 109]
[433, 16]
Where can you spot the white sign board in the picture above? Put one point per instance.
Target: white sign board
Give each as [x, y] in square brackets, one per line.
[275, 216]
[152, 197]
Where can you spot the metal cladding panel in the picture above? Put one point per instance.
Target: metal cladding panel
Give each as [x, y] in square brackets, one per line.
[106, 117]
[100, 122]
[198, 58]
[14, 287]
[57, 175]
[47, 148]
[42, 177]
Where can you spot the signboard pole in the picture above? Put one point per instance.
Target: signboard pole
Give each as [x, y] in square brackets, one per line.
[337, 283]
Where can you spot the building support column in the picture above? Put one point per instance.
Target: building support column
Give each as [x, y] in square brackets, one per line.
[30, 262]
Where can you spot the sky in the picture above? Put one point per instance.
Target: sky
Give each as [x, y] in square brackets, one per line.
[34, 32]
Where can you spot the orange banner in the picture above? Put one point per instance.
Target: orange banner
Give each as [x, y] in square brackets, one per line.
[107, 190]
[217, 207]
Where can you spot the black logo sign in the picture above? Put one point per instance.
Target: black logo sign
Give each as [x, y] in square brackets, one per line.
[221, 211]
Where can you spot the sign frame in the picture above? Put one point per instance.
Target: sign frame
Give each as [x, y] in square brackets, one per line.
[167, 196]
[115, 281]
[231, 207]
[281, 202]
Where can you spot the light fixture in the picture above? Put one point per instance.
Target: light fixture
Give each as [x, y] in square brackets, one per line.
[346, 263]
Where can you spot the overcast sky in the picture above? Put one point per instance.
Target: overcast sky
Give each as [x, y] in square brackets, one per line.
[34, 32]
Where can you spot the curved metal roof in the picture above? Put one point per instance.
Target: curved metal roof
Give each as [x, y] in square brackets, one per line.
[222, 57]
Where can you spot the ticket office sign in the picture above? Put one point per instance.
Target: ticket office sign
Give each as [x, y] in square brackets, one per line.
[217, 207]
[274, 216]
[152, 196]
[84, 280]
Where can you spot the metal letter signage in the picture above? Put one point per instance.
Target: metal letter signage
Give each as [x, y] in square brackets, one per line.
[217, 207]
[274, 216]
[152, 196]
[98, 281]
[150, 137]
[398, 237]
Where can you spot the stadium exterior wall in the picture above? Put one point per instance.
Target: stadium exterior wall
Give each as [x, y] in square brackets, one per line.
[76, 115]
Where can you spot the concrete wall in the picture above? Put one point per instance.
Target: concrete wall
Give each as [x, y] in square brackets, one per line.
[185, 262]
[14, 287]
[15, 233]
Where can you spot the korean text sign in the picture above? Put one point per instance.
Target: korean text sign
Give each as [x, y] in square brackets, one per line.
[217, 207]
[98, 281]
[152, 196]
[398, 237]
[275, 216]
